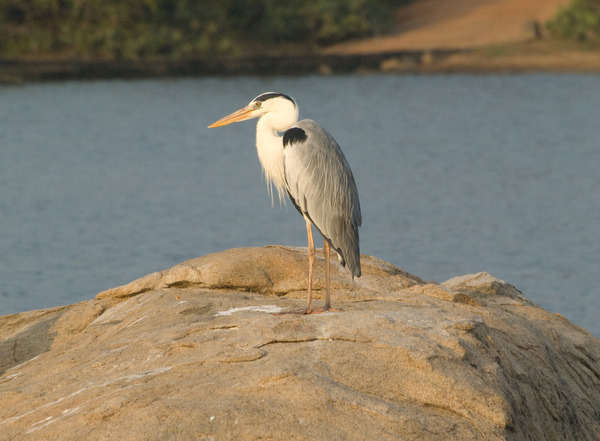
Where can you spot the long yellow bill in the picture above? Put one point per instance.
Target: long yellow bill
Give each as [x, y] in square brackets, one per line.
[238, 115]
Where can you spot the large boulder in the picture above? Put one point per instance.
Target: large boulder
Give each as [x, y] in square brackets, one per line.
[207, 351]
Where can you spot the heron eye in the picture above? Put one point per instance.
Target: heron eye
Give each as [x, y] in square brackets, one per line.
[258, 104]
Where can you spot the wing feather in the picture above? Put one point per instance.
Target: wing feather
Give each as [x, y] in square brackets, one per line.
[321, 185]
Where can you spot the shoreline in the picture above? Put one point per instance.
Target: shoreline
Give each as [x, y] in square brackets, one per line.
[505, 59]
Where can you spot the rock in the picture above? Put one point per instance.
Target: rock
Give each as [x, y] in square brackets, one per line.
[201, 352]
[269, 270]
[484, 284]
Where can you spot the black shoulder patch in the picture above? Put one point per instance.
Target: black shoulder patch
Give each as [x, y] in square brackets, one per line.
[294, 136]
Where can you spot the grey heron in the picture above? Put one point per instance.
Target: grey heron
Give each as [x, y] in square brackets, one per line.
[308, 164]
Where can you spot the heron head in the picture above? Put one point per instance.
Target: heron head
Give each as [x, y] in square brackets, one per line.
[264, 103]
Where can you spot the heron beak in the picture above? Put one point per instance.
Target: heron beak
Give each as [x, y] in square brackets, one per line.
[239, 115]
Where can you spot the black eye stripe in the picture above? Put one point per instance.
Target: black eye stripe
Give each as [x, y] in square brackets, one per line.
[269, 95]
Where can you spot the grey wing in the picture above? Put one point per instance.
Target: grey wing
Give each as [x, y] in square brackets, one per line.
[321, 185]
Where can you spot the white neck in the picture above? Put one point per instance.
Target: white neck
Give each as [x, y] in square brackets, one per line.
[269, 146]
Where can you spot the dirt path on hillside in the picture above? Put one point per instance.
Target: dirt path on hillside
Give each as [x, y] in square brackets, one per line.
[440, 24]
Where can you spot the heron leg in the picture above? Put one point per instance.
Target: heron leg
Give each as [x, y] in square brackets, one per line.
[311, 264]
[327, 250]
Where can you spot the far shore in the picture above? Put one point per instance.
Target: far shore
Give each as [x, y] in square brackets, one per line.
[519, 58]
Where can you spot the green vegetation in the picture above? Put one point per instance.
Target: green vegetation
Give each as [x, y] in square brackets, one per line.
[143, 28]
[579, 21]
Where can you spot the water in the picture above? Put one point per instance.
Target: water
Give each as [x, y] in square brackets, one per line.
[104, 182]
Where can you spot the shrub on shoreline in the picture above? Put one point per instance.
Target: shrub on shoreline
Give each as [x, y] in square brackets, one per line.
[141, 28]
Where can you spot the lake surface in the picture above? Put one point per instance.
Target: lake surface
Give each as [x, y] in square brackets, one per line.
[104, 182]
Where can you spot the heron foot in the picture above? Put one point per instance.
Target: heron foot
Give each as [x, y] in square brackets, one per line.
[312, 311]
[323, 310]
